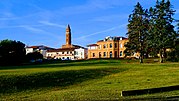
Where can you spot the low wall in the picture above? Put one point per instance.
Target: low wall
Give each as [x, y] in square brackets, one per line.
[149, 91]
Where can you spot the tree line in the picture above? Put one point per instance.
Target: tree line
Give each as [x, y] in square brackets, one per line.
[151, 32]
[13, 53]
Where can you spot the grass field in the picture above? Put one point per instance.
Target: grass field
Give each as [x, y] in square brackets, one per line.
[86, 80]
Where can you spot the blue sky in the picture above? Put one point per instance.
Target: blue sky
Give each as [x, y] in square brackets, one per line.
[43, 22]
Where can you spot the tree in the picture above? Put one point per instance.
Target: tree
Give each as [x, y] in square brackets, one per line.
[137, 32]
[162, 34]
[34, 56]
[173, 55]
[11, 52]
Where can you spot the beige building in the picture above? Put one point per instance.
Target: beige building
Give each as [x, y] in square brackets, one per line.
[68, 51]
[110, 47]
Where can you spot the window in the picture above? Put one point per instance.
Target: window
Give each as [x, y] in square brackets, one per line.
[110, 45]
[115, 45]
[99, 54]
[121, 45]
[121, 38]
[76, 53]
[93, 54]
[104, 54]
[104, 46]
[99, 46]
[120, 53]
[67, 52]
[62, 52]
[110, 54]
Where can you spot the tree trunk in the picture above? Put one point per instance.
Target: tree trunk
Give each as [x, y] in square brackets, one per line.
[141, 48]
[161, 56]
[141, 58]
[164, 55]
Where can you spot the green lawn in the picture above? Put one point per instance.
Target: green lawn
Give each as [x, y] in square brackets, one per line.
[86, 80]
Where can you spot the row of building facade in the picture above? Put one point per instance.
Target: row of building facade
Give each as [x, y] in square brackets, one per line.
[110, 47]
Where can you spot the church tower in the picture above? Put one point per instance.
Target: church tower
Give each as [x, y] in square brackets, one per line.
[68, 36]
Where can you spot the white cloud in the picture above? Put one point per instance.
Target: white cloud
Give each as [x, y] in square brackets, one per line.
[110, 18]
[103, 31]
[33, 29]
[6, 15]
[52, 24]
[36, 30]
[90, 6]
[7, 18]
[20, 26]
[40, 31]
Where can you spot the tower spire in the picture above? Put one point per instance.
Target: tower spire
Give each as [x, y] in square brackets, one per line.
[68, 35]
[68, 29]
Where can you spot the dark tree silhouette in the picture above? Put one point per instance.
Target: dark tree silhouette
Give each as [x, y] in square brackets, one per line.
[34, 56]
[137, 31]
[162, 34]
[11, 52]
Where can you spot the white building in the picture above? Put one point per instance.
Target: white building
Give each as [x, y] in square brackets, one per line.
[63, 54]
[75, 53]
[42, 49]
[81, 53]
[29, 50]
[68, 51]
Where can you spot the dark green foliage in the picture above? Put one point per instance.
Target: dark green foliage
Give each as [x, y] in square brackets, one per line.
[137, 32]
[162, 33]
[11, 52]
[34, 56]
[151, 32]
[173, 54]
[178, 30]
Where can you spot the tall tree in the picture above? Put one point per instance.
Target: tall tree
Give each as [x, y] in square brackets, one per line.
[162, 34]
[11, 52]
[137, 31]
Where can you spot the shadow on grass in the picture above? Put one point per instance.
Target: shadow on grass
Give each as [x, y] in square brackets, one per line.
[10, 84]
[62, 64]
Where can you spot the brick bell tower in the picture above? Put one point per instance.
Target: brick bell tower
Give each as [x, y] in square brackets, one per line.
[68, 38]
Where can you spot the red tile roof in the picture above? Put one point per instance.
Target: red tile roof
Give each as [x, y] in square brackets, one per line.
[38, 46]
[61, 50]
[92, 45]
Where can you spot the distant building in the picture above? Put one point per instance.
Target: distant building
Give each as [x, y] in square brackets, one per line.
[81, 53]
[68, 51]
[42, 49]
[110, 47]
